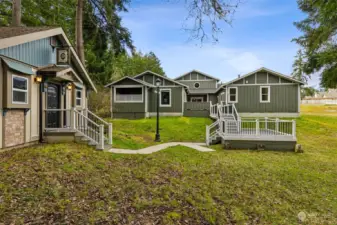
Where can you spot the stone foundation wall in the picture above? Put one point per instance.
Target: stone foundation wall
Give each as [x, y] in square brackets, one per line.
[14, 128]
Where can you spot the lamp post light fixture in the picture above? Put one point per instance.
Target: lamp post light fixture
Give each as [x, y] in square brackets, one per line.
[157, 139]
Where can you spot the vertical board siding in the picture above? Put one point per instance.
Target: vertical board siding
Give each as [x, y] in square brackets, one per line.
[283, 98]
[176, 100]
[261, 78]
[272, 79]
[37, 53]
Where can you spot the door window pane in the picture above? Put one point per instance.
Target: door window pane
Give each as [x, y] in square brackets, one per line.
[165, 98]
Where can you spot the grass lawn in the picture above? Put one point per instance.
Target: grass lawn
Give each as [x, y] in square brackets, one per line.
[70, 183]
[136, 134]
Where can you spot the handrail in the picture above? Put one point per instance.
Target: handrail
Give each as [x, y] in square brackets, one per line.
[85, 117]
[97, 117]
[234, 110]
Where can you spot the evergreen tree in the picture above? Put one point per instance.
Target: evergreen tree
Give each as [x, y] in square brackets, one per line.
[319, 39]
[298, 68]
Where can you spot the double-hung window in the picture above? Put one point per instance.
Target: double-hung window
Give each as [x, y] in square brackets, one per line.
[19, 90]
[265, 94]
[78, 97]
[165, 98]
[232, 95]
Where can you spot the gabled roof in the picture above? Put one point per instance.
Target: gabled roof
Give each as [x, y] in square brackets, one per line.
[267, 70]
[158, 75]
[7, 32]
[196, 71]
[12, 36]
[130, 78]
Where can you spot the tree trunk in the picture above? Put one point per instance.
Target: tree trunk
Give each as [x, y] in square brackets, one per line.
[16, 13]
[79, 30]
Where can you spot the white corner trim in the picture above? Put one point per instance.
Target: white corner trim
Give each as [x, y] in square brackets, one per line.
[165, 90]
[236, 95]
[261, 87]
[299, 98]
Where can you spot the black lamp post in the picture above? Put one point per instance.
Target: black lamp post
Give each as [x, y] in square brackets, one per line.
[157, 139]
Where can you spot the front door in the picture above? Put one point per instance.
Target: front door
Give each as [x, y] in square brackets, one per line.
[53, 102]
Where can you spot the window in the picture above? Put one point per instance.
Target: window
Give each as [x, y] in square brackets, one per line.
[19, 90]
[128, 94]
[196, 85]
[165, 98]
[78, 97]
[233, 95]
[197, 99]
[265, 94]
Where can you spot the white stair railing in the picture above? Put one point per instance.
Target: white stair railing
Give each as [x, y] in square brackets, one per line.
[88, 128]
[211, 132]
[100, 121]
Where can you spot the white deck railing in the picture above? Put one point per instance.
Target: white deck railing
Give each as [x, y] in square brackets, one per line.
[252, 129]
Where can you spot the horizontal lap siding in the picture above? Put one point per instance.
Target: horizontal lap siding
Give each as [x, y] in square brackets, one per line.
[176, 100]
[283, 98]
[204, 84]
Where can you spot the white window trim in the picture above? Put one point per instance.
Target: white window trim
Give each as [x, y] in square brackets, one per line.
[161, 90]
[261, 101]
[128, 86]
[195, 84]
[236, 95]
[202, 98]
[77, 98]
[19, 90]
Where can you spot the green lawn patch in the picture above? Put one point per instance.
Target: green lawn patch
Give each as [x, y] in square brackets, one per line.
[70, 183]
[136, 134]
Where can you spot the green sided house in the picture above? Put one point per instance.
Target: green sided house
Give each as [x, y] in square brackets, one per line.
[44, 88]
[135, 97]
[263, 93]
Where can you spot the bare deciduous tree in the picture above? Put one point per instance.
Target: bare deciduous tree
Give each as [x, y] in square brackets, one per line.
[207, 14]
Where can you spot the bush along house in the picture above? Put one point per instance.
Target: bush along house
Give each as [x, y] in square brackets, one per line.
[44, 88]
[262, 93]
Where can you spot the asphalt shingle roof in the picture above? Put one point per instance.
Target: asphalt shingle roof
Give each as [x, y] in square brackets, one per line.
[7, 32]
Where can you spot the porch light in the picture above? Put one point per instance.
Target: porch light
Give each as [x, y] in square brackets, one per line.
[38, 79]
[69, 86]
[158, 82]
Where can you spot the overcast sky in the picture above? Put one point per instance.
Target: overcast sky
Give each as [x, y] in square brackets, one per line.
[260, 35]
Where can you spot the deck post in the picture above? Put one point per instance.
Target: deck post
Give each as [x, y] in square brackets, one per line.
[266, 123]
[73, 119]
[257, 127]
[294, 128]
[110, 133]
[277, 121]
[101, 137]
[207, 135]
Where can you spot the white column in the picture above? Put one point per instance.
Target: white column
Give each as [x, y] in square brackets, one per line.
[257, 127]
[294, 128]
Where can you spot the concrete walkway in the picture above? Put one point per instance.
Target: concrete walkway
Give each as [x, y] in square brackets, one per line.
[156, 148]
